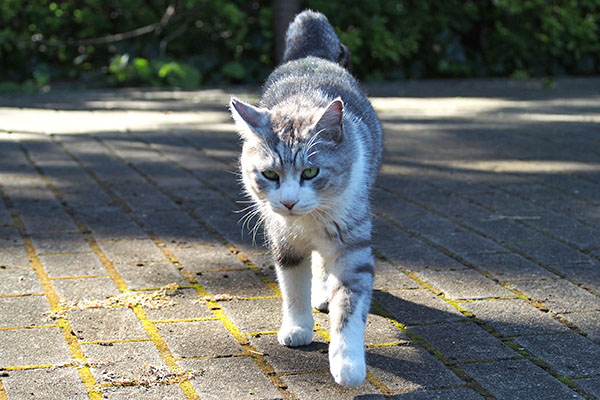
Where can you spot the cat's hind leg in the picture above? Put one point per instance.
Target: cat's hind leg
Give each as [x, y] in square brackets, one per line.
[294, 275]
[352, 282]
[319, 292]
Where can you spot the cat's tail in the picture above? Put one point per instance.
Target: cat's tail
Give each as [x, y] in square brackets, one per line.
[311, 34]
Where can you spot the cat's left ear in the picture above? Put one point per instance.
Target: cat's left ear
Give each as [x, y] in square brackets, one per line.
[330, 121]
[252, 122]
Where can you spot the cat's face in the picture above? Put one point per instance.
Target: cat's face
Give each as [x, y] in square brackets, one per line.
[292, 162]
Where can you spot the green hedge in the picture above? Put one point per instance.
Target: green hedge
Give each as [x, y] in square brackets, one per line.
[215, 42]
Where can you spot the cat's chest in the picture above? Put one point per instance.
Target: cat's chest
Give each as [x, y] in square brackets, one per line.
[312, 234]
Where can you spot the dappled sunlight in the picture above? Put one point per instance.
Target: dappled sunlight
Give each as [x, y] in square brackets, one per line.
[75, 122]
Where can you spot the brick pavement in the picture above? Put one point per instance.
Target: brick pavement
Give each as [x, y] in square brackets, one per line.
[124, 273]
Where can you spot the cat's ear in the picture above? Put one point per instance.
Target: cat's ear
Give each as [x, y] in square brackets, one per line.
[330, 121]
[252, 122]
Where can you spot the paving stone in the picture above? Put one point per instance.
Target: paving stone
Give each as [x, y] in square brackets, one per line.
[265, 263]
[35, 204]
[507, 267]
[19, 281]
[84, 195]
[47, 384]
[150, 274]
[389, 277]
[72, 265]
[293, 359]
[315, 386]
[416, 256]
[162, 392]
[14, 256]
[143, 197]
[254, 315]
[75, 290]
[429, 225]
[559, 295]
[549, 252]
[404, 368]
[24, 347]
[236, 283]
[205, 338]
[171, 222]
[568, 354]
[59, 242]
[48, 222]
[587, 274]
[464, 341]
[24, 311]
[207, 258]
[567, 229]
[590, 385]
[129, 361]
[587, 322]
[187, 305]
[106, 324]
[448, 394]
[9, 236]
[518, 379]
[110, 224]
[503, 229]
[464, 284]
[377, 331]
[416, 306]
[232, 377]
[132, 251]
[514, 317]
[464, 242]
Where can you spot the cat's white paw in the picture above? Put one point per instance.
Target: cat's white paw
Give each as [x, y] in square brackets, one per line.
[294, 336]
[348, 371]
[320, 302]
[319, 298]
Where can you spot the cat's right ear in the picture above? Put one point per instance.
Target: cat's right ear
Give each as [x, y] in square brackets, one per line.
[252, 122]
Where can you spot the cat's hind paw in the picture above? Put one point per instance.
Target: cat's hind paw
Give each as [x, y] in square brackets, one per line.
[323, 306]
[320, 301]
[348, 371]
[294, 336]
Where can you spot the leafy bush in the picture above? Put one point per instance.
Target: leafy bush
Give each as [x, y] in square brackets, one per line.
[188, 43]
[192, 43]
[468, 38]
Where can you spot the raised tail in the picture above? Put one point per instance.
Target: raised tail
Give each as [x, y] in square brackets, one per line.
[311, 34]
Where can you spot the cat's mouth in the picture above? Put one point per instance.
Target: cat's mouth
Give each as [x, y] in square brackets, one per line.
[294, 212]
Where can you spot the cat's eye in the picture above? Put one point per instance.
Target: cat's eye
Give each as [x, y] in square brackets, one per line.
[310, 173]
[270, 175]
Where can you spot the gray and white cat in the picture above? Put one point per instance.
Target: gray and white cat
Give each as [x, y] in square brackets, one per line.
[311, 152]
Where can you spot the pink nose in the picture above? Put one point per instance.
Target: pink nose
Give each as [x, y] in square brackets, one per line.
[288, 204]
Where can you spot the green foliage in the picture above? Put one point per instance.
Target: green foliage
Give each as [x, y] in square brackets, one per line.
[200, 42]
[213, 42]
[467, 38]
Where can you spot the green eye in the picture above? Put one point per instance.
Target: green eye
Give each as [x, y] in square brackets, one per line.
[310, 173]
[270, 175]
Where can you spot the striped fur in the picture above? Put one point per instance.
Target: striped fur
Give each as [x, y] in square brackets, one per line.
[312, 114]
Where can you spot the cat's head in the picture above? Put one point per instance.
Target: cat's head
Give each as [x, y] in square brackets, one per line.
[295, 158]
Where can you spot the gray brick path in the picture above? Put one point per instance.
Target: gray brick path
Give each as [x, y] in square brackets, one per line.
[125, 274]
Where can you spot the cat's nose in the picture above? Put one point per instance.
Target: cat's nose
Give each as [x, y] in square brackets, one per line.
[289, 203]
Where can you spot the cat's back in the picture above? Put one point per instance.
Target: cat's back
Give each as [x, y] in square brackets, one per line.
[311, 76]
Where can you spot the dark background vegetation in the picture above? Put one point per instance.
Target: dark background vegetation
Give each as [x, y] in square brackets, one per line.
[191, 43]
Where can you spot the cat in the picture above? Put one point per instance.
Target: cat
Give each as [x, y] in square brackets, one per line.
[311, 152]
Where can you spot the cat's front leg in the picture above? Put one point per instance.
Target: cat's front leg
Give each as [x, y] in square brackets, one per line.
[294, 275]
[348, 309]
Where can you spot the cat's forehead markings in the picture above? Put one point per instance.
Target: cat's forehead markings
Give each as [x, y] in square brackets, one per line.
[290, 128]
